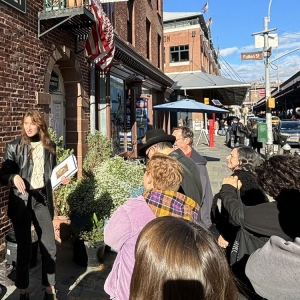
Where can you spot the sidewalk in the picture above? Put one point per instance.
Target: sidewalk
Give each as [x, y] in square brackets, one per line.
[75, 282]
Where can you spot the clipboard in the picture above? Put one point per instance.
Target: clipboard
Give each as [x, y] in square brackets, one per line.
[66, 168]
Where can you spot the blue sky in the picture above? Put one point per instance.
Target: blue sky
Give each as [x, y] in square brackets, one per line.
[233, 22]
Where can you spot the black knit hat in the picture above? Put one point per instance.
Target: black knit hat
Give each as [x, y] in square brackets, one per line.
[155, 136]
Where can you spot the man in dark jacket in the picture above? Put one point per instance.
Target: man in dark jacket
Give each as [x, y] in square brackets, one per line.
[184, 140]
[157, 141]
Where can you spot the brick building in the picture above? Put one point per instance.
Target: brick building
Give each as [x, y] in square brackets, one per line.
[43, 66]
[191, 60]
[188, 45]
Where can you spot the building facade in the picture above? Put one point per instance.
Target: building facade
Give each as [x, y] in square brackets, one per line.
[43, 66]
[188, 45]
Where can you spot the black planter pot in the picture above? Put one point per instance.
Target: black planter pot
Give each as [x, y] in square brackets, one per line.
[88, 256]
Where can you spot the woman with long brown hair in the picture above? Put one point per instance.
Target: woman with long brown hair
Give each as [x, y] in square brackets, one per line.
[27, 166]
[178, 259]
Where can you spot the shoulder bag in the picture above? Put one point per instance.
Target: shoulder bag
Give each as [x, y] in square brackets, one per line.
[245, 242]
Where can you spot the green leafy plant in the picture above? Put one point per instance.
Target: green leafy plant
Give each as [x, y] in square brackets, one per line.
[106, 184]
[99, 150]
[116, 178]
[83, 200]
[95, 234]
[61, 152]
[61, 194]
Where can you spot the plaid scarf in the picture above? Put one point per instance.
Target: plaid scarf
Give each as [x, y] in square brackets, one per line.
[171, 203]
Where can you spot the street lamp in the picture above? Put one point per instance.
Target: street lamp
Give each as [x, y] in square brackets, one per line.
[267, 54]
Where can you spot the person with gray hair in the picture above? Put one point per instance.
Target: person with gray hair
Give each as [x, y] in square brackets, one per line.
[184, 141]
[243, 162]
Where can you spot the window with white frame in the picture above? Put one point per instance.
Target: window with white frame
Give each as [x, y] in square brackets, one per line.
[179, 53]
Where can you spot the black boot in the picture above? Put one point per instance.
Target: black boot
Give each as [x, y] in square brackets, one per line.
[50, 296]
[24, 296]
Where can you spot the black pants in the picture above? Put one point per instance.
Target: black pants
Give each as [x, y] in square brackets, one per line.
[39, 214]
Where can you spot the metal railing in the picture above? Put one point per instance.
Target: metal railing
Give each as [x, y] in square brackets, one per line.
[50, 5]
[184, 23]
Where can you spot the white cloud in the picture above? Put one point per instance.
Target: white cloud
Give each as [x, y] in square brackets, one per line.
[228, 51]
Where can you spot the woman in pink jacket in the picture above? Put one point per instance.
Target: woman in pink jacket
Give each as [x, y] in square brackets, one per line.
[161, 180]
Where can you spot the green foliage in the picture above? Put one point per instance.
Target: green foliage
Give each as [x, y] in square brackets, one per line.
[84, 201]
[95, 234]
[107, 183]
[61, 198]
[61, 194]
[116, 178]
[61, 152]
[99, 149]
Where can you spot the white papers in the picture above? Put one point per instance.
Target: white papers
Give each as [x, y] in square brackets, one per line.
[66, 168]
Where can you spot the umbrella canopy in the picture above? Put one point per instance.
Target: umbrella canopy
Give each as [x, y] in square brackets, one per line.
[189, 105]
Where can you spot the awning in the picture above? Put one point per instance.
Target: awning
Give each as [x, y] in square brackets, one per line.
[287, 96]
[230, 92]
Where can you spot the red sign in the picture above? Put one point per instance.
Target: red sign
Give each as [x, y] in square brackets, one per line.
[262, 92]
[252, 55]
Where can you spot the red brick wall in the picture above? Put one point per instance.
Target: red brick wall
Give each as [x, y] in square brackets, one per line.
[184, 37]
[143, 10]
[25, 63]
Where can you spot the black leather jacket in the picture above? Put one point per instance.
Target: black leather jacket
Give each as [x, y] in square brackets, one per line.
[16, 162]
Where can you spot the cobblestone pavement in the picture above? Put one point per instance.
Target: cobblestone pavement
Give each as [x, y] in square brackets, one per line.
[76, 282]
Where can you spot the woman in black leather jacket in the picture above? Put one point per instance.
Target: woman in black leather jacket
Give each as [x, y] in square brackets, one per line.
[27, 166]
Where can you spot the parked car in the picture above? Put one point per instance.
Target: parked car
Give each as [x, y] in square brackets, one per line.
[287, 130]
[258, 119]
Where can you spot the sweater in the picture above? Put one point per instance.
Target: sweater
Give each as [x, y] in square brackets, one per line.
[274, 270]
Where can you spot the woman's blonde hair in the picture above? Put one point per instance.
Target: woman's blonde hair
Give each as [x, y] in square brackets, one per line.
[38, 120]
[166, 172]
[178, 259]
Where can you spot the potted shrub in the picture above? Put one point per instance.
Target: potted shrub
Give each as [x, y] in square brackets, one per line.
[88, 211]
[106, 184]
[89, 248]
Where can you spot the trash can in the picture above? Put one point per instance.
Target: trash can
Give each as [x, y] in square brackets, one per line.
[11, 250]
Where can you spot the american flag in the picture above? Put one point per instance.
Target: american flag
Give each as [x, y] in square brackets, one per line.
[100, 45]
[209, 22]
[205, 7]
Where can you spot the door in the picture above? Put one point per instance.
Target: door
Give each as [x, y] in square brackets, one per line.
[57, 115]
[57, 104]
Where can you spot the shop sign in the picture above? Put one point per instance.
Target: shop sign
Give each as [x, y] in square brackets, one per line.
[54, 80]
[20, 5]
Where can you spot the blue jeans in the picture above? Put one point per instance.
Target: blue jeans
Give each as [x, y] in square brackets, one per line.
[223, 131]
[39, 214]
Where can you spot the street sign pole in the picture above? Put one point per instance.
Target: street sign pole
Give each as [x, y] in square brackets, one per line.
[267, 82]
[267, 54]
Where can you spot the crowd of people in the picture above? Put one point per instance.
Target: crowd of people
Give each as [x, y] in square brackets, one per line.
[176, 240]
[216, 255]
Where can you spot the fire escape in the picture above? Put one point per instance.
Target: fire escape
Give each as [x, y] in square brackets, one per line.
[73, 16]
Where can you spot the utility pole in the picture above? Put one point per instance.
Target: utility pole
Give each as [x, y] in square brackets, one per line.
[267, 54]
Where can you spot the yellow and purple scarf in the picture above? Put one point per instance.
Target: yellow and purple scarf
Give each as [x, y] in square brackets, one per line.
[171, 203]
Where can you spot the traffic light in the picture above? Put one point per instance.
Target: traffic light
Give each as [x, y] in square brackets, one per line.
[271, 102]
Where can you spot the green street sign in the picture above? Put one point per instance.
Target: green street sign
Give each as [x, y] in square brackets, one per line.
[262, 132]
